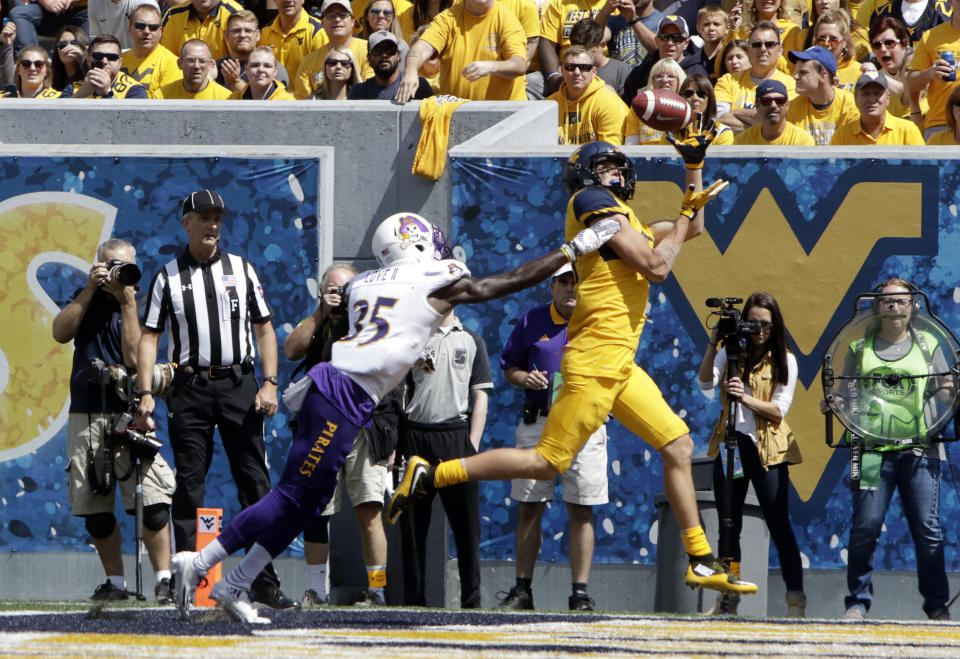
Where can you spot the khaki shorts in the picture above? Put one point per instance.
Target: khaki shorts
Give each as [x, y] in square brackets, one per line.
[366, 479]
[85, 430]
[583, 483]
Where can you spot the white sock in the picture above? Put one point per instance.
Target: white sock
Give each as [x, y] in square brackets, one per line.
[160, 575]
[317, 579]
[252, 564]
[118, 582]
[209, 556]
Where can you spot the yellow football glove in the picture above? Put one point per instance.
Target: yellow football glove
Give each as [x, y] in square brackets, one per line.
[694, 201]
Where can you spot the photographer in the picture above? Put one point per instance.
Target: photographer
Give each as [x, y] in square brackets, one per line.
[765, 444]
[102, 321]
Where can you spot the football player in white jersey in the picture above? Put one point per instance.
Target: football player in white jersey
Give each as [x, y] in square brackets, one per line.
[393, 312]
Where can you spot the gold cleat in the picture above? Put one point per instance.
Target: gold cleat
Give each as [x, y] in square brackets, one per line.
[711, 574]
[417, 480]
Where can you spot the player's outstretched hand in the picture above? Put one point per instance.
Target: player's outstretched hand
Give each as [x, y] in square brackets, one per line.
[591, 238]
[694, 201]
[694, 150]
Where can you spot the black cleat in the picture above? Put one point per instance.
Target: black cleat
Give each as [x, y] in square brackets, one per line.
[164, 592]
[581, 602]
[370, 598]
[108, 592]
[416, 484]
[517, 599]
[271, 595]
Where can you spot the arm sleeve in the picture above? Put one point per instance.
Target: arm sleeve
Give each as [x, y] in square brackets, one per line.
[594, 203]
[719, 364]
[155, 312]
[783, 394]
[480, 377]
[256, 302]
[514, 353]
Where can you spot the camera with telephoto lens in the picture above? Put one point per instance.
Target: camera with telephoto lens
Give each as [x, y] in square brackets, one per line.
[116, 376]
[127, 274]
[732, 330]
[125, 430]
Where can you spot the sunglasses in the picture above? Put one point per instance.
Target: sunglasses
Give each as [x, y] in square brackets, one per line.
[769, 45]
[140, 25]
[766, 101]
[765, 325]
[675, 38]
[338, 62]
[690, 93]
[337, 15]
[573, 66]
[384, 52]
[113, 57]
[32, 64]
[889, 43]
[63, 44]
[377, 12]
[823, 41]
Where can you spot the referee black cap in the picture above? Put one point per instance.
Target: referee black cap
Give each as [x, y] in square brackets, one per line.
[201, 200]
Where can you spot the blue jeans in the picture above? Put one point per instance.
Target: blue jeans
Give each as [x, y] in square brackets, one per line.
[32, 19]
[918, 480]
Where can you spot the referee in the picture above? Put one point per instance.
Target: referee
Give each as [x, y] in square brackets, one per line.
[212, 306]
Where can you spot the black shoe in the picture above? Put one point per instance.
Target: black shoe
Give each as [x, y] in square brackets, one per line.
[516, 600]
[107, 591]
[271, 595]
[369, 598]
[164, 592]
[311, 600]
[581, 602]
[942, 613]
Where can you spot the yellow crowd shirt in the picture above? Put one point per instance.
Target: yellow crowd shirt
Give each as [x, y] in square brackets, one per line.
[181, 23]
[611, 296]
[848, 74]
[306, 36]
[943, 138]
[155, 70]
[933, 43]
[895, 131]
[724, 135]
[48, 92]
[278, 93]
[740, 91]
[176, 90]
[529, 16]
[462, 38]
[560, 16]
[645, 135]
[822, 124]
[122, 86]
[791, 136]
[310, 71]
[598, 114]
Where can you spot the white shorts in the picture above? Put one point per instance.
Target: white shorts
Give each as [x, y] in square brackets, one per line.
[584, 483]
[366, 479]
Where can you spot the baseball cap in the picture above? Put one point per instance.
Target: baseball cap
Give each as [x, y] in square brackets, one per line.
[379, 37]
[676, 21]
[771, 86]
[329, 3]
[201, 200]
[817, 54]
[564, 269]
[872, 78]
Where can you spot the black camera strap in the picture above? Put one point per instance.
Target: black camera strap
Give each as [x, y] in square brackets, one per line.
[100, 485]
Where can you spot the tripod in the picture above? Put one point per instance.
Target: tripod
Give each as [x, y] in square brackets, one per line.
[734, 346]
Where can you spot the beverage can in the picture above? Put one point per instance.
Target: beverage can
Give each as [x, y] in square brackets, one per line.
[947, 56]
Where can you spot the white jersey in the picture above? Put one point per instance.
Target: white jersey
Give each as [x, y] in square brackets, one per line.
[391, 322]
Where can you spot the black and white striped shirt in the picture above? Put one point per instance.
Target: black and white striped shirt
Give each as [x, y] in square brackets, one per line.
[207, 309]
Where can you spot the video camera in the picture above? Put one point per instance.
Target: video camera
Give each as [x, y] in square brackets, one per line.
[127, 274]
[116, 376]
[732, 330]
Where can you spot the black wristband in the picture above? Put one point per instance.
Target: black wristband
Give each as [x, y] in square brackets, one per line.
[144, 392]
[271, 379]
[633, 21]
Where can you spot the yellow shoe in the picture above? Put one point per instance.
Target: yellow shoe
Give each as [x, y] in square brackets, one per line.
[711, 574]
[417, 482]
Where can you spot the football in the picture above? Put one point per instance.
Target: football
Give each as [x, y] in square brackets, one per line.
[661, 109]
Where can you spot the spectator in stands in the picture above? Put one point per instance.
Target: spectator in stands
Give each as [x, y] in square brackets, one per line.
[632, 29]
[7, 69]
[858, 33]
[46, 18]
[930, 72]
[382, 15]
[875, 125]
[294, 34]
[422, 13]
[242, 36]
[712, 22]
[340, 73]
[485, 62]
[528, 14]
[588, 33]
[773, 103]
[770, 11]
[263, 85]
[589, 110]
[338, 26]
[556, 21]
[113, 17]
[949, 137]
[147, 62]
[197, 64]
[832, 31]
[736, 93]
[673, 42]
[198, 19]
[819, 108]
[734, 58]
[70, 62]
[383, 54]
[698, 93]
[32, 74]
[665, 74]
[892, 53]
[917, 16]
[104, 78]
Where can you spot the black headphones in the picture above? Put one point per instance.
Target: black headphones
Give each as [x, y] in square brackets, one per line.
[913, 291]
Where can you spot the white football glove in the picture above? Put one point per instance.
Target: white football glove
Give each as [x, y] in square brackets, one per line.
[591, 238]
[425, 363]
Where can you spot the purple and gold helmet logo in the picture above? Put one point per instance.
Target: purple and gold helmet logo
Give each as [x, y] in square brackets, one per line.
[412, 229]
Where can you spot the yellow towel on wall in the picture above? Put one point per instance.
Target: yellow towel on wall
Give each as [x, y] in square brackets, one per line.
[435, 113]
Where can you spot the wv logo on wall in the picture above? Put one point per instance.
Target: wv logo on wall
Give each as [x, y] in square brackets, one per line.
[814, 233]
[53, 214]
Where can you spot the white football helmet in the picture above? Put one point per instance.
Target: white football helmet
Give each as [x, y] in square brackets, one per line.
[408, 238]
